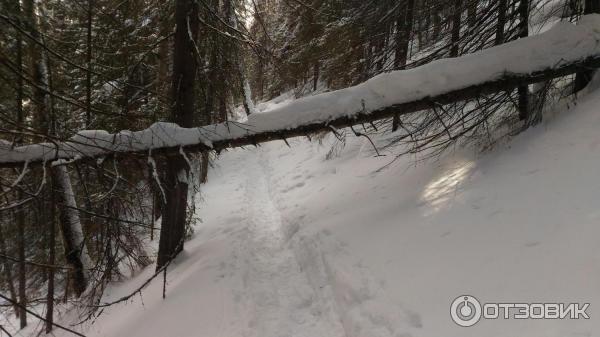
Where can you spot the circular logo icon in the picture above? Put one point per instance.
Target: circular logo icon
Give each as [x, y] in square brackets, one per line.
[465, 310]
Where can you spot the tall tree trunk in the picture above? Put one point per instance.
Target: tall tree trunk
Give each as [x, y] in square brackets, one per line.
[172, 231]
[52, 221]
[472, 12]
[583, 78]
[163, 55]
[8, 276]
[76, 252]
[456, 25]
[20, 214]
[22, 267]
[70, 224]
[316, 71]
[88, 78]
[260, 82]
[404, 27]
[437, 21]
[501, 23]
[249, 106]
[523, 104]
[51, 261]
[204, 167]
[239, 60]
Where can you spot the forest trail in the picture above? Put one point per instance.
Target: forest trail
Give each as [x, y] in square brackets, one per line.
[294, 282]
[276, 290]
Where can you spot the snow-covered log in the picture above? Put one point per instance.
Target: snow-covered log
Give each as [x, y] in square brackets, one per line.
[562, 50]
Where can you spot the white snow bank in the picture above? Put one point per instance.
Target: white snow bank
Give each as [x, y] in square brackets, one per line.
[563, 44]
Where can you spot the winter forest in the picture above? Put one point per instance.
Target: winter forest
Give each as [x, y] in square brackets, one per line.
[297, 168]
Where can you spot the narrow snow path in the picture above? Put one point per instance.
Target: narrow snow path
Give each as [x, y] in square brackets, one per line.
[276, 291]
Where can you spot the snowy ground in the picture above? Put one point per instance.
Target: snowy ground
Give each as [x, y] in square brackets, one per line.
[293, 245]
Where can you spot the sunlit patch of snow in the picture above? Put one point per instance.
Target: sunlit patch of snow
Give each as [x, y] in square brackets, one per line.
[441, 190]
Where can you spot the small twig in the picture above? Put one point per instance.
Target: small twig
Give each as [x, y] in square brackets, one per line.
[358, 134]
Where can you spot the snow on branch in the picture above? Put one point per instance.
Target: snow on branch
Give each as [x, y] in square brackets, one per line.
[560, 51]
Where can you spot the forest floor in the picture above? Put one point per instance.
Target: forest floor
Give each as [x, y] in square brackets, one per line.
[290, 244]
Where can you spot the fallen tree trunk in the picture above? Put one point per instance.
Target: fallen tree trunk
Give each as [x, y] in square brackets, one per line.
[558, 52]
[506, 82]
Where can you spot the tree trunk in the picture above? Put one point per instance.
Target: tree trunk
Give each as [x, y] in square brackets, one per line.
[583, 78]
[52, 221]
[172, 232]
[472, 12]
[437, 22]
[204, 167]
[248, 102]
[163, 56]
[523, 104]
[8, 276]
[502, 8]
[456, 25]
[316, 71]
[51, 261]
[22, 268]
[70, 224]
[76, 252]
[88, 78]
[19, 214]
[404, 26]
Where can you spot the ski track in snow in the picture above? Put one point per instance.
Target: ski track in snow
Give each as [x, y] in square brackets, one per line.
[288, 287]
[276, 291]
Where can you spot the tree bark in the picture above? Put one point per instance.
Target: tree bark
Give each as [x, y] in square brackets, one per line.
[472, 12]
[456, 25]
[22, 268]
[404, 26]
[204, 167]
[88, 77]
[163, 55]
[437, 22]
[76, 252]
[523, 104]
[172, 232]
[501, 23]
[316, 71]
[8, 273]
[51, 261]
[19, 214]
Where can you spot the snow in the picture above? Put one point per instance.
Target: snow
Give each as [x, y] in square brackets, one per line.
[291, 244]
[156, 177]
[562, 44]
[248, 97]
